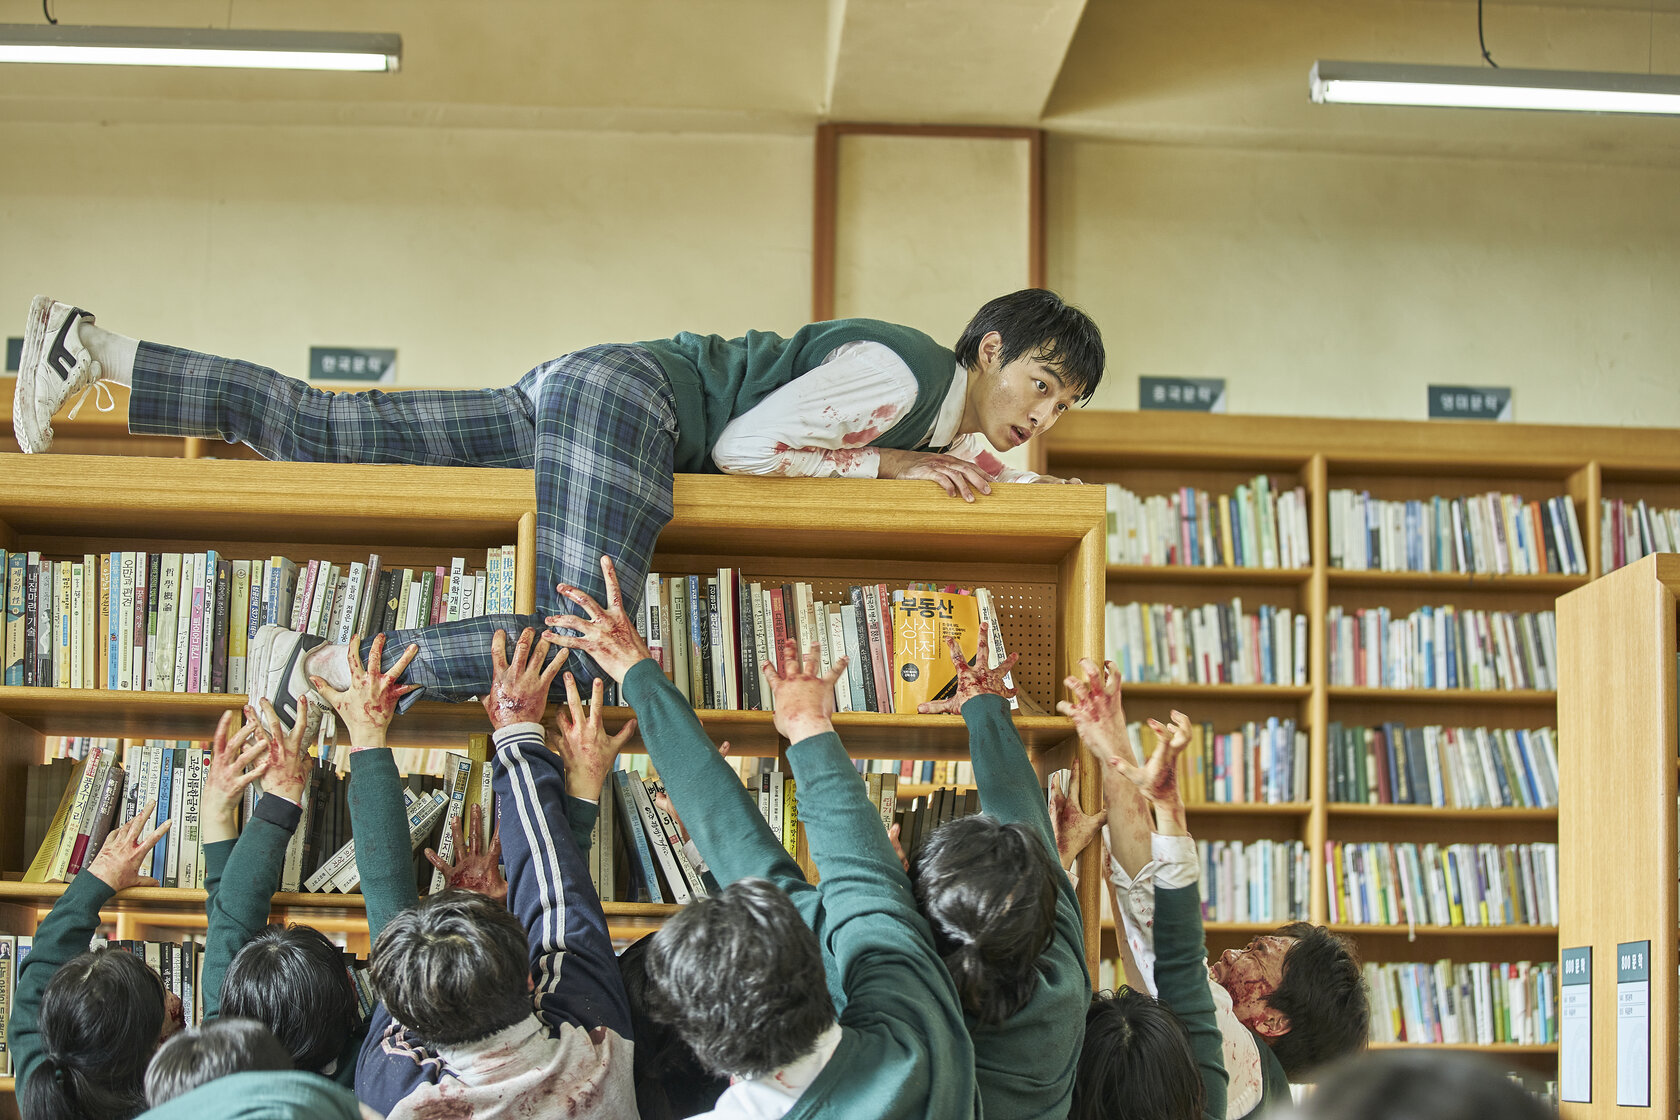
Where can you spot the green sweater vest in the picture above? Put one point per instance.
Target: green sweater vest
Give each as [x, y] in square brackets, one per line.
[715, 379]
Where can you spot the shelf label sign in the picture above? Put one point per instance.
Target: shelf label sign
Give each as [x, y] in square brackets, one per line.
[14, 354]
[1633, 1024]
[352, 363]
[1575, 1025]
[1464, 402]
[1181, 394]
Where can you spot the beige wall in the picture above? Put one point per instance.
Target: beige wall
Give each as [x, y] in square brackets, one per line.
[477, 253]
[1343, 284]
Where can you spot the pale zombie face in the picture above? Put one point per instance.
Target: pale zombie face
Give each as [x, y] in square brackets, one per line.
[1018, 401]
[174, 1015]
[1250, 975]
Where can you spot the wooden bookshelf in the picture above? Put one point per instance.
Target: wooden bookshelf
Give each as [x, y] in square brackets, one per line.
[1039, 548]
[1618, 707]
[1159, 452]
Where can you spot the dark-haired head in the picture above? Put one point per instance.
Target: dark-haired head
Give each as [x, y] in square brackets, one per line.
[740, 977]
[670, 1081]
[1323, 996]
[454, 968]
[1135, 1062]
[1036, 323]
[293, 979]
[197, 1055]
[1416, 1084]
[988, 889]
[102, 1016]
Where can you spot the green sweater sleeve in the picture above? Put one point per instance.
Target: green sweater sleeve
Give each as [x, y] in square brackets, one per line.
[1181, 978]
[1008, 785]
[238, 912]
[726, 825]
[62, 935]
[581, 816]
[380, 828]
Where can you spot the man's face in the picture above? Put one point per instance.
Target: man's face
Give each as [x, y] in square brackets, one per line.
[174, 1015]
[1020, 400]
[1251, 974]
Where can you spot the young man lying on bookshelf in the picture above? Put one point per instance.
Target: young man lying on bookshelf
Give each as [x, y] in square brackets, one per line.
[486, 1009]
[1288, 1001]
[988, 886]
[604, 429]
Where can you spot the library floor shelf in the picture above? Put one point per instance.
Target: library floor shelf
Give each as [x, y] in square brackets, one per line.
[1163, 453]
[1039, 549]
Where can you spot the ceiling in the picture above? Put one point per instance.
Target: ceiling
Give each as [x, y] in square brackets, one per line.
[1230, 72]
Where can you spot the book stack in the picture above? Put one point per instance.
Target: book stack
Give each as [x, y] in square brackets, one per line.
[1447, 767]
[919, 771]
[1261, 525]
[1257, 881]
[1442, 885]
[1482, 1003]
[1443, 647]
[182, 621]
[13, 948]
[1634, 529]
[712, 633]
[1488, 534]
[636, 852]
[1218, 643]
[1257, 763]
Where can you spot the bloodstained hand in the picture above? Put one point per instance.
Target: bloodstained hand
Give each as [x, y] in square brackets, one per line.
[473, 867]
[972, 680]
[227, 776]
[607, 634]
[286, 767]
[118, 863]
[804, 699]
[519, 691]
[370, 703]
[1157, 780]
[1073, 827]
[583, 744]
[1097, 713]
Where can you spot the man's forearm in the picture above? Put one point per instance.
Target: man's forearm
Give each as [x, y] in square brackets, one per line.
[1129, 821]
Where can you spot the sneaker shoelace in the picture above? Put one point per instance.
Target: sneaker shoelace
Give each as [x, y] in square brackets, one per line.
[103, 399]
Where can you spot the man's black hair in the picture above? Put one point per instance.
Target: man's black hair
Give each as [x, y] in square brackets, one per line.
[1136, 1062]
[1415, 1084]
[740, 977]
[1324, 996]
[293, 980]
[454, 968]
[1035, 322]
[670, 1081]
[988, 889]
[100, 1019]
[195, 1056]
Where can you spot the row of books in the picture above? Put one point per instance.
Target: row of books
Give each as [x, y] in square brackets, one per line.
[1260, 525]
[1484, 1003]
[1442, 885]
[920, 771]
[712, 634]
[1488, 534]
[1258, 762]
[1631, 530]
[182, 621]
[1217, 643]
[1256, 881]
[1442, 647]
[1447, 767]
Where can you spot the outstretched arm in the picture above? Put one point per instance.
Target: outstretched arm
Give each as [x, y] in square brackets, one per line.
[1100, 719]
[572, 963]
[724, 822]
[377, 818]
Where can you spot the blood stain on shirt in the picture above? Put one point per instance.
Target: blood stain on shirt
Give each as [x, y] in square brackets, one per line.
[860, 438]
[989, 463]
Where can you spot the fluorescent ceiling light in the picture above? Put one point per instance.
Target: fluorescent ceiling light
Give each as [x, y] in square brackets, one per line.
[1479, 87]
[199, 46]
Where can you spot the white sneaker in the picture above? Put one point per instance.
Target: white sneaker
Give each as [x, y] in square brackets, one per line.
[274, 668]
[54, 365]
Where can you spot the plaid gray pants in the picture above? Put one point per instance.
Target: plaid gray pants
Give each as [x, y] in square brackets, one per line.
[598, 426]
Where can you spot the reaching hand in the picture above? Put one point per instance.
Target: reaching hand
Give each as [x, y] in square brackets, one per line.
[1050, 478]
[607, 635]
[118, 863]
[370, 703]
[1074, 828]
[1097, 713]
[584, 745]
[804, 700]
[473, 867]
[286, 769]
[519, 692]
[972, 680]
[958, 477]
[227, 777]
[1157, 780]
